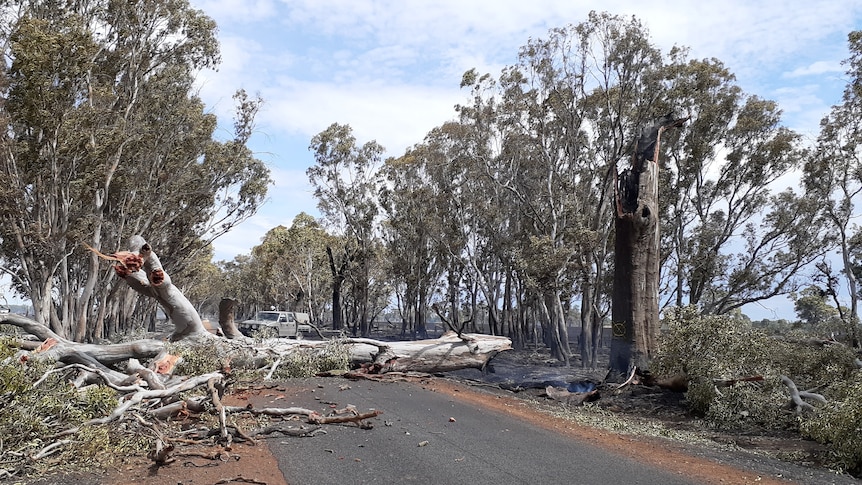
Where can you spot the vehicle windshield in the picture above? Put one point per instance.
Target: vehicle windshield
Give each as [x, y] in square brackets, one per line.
[268, 316]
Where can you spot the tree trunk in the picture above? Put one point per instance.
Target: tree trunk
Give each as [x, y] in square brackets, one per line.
[226, 318]
[143, 271]
[587, 347]
[637, 256]
[447, 353]
[337, 281]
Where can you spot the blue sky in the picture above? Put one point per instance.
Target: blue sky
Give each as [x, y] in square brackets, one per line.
[391, 68]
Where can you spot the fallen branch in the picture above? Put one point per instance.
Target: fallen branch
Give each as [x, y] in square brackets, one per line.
[565, 396]
[50, 449]
[300, 432]
[271, 411]
[216, 390]
[161, 453]
[797, 396]
[357, 418]
[629, 380]
[733, 382]
[139, 396]
[239, 479]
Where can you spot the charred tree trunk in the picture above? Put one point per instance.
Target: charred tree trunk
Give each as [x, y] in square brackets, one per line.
[337, 282]
[634, 308]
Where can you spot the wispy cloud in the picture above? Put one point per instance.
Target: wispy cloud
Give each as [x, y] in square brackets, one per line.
[391, 68]
[816, 69]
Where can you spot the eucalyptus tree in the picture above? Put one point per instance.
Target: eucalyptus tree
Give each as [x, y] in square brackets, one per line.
[345, 177]
[295, 267]
[565, 112]
[481, 211]
[106, 139]
[203, 283]
[729, 238]
[834, 172]
[472, 240]
[409, 226]
[243, 283]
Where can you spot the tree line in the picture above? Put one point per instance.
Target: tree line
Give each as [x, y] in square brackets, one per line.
[105, 138]
[500, 219]
[505, 213]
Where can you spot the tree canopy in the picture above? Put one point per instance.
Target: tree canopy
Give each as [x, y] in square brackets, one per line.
[106, 138]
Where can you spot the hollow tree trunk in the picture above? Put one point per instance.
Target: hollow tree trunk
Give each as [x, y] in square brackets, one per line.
[636, 267]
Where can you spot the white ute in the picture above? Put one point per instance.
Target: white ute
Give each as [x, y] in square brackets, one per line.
[284, 324]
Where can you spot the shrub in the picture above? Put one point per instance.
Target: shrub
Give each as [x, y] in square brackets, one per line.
[839, 423]
[310, 362]
[30, 416]
[707, 347]
[710, 346]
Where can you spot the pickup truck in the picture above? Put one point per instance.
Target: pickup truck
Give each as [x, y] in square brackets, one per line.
[283, 324]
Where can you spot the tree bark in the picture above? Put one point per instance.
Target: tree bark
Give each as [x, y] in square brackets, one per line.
[634, 307]
[143, 271]
[447, 353]
[337, 281]
[226, 318]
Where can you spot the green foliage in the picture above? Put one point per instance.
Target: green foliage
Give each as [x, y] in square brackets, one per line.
[811, 365]
[262, 334]
[310, 362]
[209, 356]
[838, 423]
[30, 416]
[707, 347]
[710, 346]
[100, 103]
[812, 307]
[746, 405]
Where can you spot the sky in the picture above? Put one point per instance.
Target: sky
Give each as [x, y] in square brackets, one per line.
[391, 69]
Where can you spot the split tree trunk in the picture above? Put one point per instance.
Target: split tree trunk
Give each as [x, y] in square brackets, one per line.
[143, 271]
[635, 318]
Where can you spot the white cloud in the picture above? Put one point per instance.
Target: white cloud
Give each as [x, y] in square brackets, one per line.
[391, 68]
[396, 116]
[817, 68]
[239, 11]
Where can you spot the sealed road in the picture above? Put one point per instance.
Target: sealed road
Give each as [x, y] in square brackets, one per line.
[424, 436]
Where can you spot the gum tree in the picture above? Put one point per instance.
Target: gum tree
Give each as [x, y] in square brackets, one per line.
[105, 138]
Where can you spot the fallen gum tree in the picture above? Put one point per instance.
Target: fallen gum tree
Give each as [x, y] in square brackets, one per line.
[148, 391]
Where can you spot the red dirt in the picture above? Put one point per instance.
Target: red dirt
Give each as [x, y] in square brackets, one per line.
[243, 463]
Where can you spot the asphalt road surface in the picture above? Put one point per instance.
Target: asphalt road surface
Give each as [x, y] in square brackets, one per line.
[431, 437]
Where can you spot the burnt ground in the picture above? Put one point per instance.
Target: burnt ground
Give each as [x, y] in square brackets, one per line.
[651, 424]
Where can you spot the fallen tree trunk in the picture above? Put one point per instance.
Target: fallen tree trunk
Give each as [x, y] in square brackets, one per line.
[142, 375]
[447, 353]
